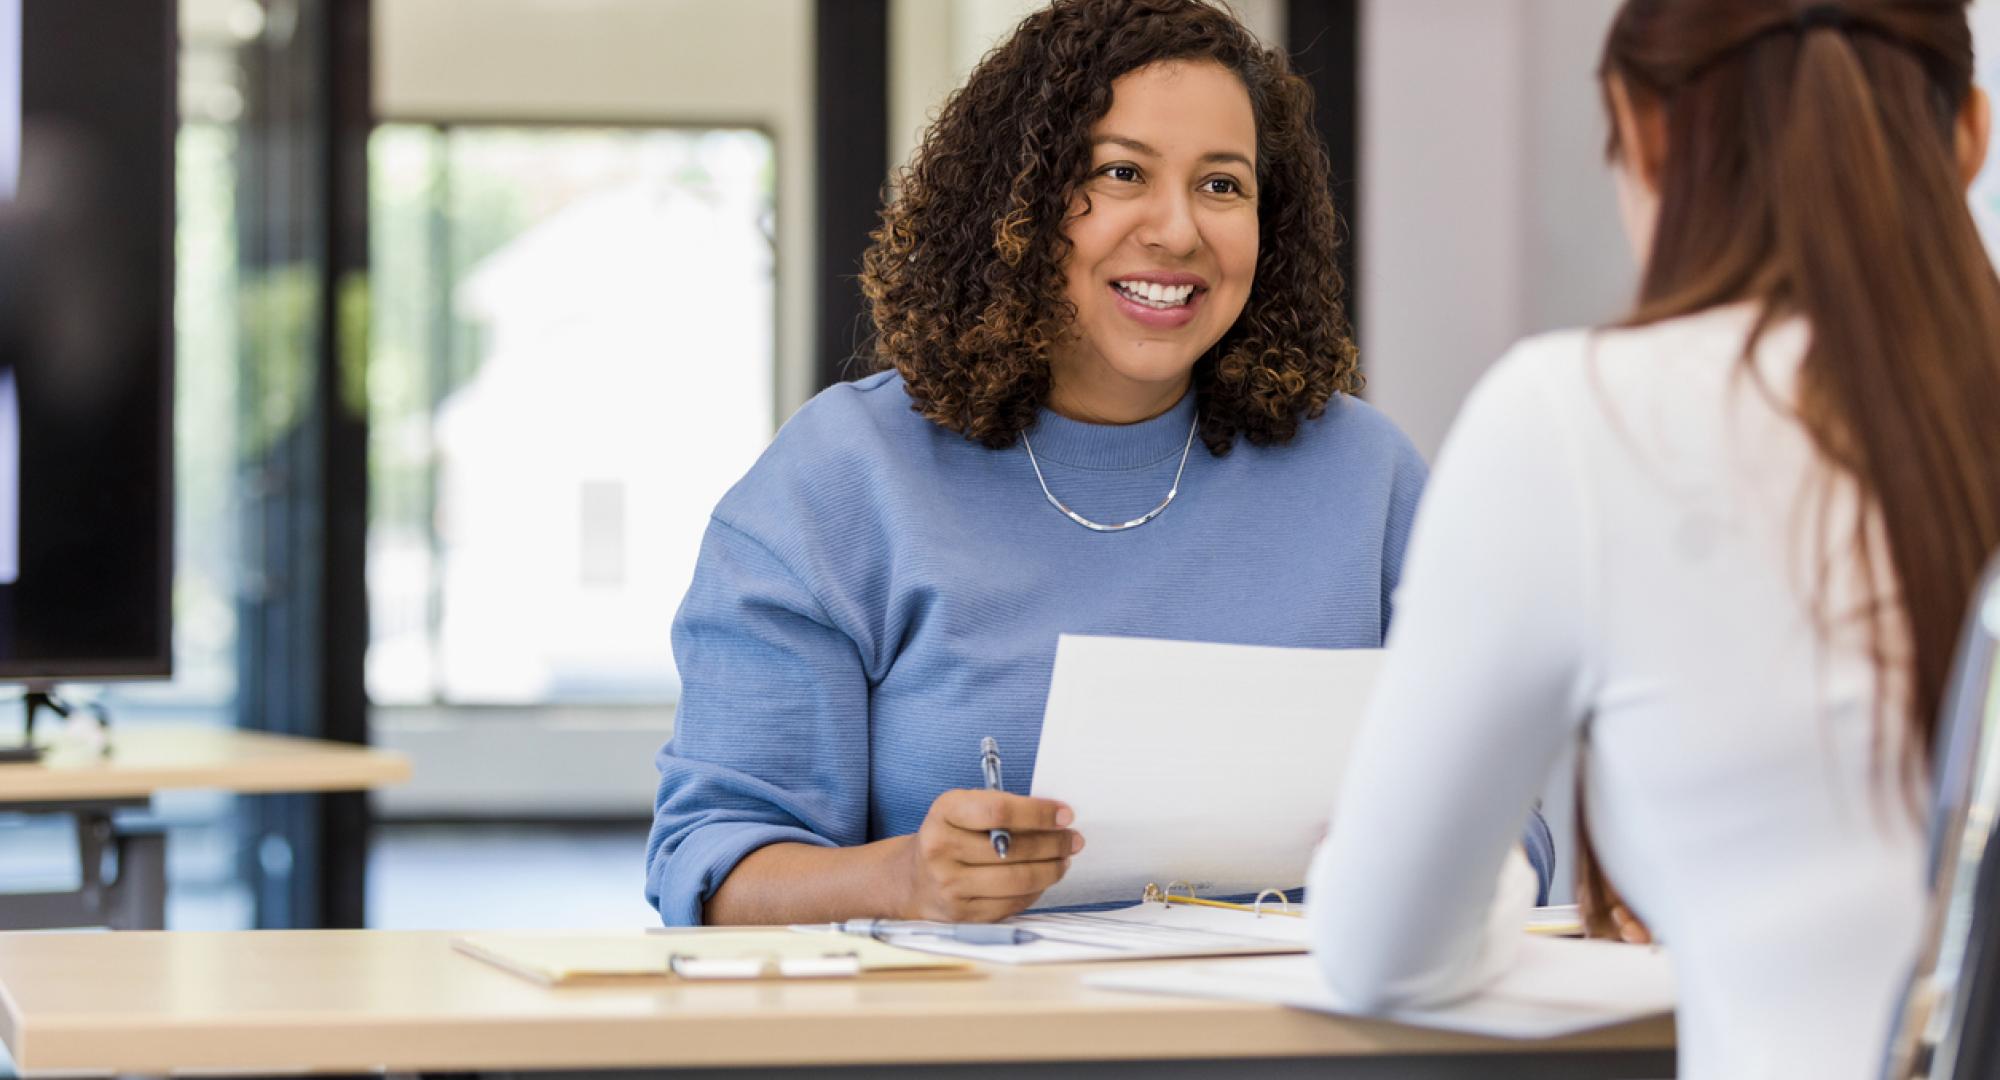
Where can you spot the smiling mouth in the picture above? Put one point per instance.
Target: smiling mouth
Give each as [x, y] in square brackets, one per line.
[1156, 296]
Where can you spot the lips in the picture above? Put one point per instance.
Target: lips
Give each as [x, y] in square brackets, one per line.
[1162, 314]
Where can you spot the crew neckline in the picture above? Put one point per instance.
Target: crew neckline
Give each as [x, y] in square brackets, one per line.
[1112, 446]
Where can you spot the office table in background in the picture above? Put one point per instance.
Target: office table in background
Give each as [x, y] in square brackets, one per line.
[74, 779]
[360, 1000]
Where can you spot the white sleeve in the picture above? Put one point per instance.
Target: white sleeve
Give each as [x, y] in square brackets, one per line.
[1485, 681]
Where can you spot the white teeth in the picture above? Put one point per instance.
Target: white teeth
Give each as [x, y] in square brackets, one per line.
[1155, 295]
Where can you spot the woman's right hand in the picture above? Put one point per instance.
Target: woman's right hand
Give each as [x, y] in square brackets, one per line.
[1605, 915]
[954, 874]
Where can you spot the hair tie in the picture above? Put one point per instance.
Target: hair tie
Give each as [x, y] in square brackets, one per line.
[1822, 17]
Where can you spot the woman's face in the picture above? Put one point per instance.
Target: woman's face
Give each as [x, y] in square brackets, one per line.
[1642, 141]
[1163, 257]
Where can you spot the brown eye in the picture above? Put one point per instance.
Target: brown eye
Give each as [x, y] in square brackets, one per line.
[1124, 174]
[1221, 185]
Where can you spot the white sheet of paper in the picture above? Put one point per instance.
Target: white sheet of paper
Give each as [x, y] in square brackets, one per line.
[1556, 987]
[1185, 761]
[1157, 932]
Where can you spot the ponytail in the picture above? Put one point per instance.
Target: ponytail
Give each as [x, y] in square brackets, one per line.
[1811, 166]
[1901, 386]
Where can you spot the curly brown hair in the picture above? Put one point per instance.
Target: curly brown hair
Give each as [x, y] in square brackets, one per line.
[965, 276]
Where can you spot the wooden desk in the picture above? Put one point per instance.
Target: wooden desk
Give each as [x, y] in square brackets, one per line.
[74, 779]
[355, 1001]
[145, 760]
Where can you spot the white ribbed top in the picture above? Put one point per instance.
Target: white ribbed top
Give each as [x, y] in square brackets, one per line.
[1619, 538]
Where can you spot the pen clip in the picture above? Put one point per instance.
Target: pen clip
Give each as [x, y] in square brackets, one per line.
[989, 762]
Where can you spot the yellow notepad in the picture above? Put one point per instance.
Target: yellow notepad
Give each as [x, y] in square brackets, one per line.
[561, 959]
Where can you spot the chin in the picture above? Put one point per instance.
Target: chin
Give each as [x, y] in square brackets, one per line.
[1154, 370]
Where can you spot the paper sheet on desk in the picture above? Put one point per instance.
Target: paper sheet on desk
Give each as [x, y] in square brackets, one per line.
[1210, 764]
[1140, 932]
[1556, 987]
[1162, 932]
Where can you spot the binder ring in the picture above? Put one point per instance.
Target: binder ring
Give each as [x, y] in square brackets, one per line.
[1284, 902]
[1154, 893]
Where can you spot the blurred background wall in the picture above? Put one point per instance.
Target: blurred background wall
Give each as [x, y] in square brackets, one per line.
[1486, 214]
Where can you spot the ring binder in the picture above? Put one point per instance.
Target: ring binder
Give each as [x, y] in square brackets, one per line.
[1284, 902]
[1154, 894]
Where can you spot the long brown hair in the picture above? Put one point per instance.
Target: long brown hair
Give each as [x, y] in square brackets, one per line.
[1810, 165]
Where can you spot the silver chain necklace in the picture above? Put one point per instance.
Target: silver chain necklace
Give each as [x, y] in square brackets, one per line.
[1098, 526]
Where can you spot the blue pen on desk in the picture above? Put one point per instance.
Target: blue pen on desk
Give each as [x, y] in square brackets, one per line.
[989, 764]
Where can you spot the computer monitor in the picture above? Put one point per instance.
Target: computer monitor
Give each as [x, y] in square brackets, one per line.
[87, 118]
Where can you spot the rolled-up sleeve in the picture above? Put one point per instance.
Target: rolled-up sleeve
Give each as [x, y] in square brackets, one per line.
[770, 740]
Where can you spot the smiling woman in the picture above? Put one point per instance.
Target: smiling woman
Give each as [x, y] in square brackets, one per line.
[1115, 240]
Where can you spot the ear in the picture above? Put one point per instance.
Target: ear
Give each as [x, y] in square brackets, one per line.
[1974, 127]
[1642, 132]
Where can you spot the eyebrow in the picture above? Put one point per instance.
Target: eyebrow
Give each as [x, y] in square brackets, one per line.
[1136, 146]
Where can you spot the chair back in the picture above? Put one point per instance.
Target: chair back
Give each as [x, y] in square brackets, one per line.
[1946, 1026]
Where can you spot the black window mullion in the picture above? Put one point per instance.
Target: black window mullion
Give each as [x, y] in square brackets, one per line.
[1324, 39]
[851, 128]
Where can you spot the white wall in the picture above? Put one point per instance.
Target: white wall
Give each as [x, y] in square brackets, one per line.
[648, 61]
[1488, 211]
[1985, 193]
[1487, 214]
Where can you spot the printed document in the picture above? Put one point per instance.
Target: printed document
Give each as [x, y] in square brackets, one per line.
[1213, 765]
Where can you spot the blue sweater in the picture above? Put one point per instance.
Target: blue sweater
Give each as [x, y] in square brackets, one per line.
[879, 592]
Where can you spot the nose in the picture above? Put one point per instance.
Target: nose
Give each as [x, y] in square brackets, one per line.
[1169, 225]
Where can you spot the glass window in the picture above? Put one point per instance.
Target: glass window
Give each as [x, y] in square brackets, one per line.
[573, 358]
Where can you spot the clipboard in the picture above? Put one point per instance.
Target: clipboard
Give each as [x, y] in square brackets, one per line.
[700, 955]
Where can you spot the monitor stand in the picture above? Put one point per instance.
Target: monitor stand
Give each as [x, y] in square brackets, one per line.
[32, 702]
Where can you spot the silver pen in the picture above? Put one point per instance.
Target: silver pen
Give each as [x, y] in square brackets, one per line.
[989, 764]
[963, 933]
[891, 930]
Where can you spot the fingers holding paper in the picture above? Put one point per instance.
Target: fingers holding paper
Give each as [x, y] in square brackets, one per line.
[955, 873]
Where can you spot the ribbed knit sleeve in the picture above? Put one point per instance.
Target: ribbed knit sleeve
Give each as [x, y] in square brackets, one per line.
[1485, 683]
[1406, 489]
[771, 735]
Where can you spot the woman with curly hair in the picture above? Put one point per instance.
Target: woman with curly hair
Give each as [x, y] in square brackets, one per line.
[1114, 243]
